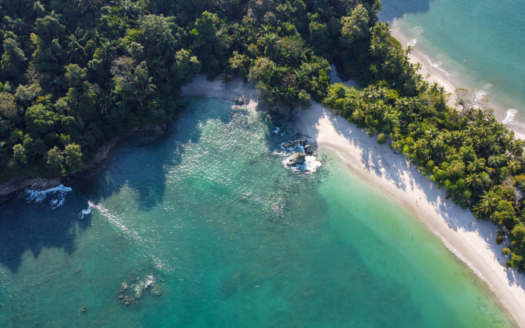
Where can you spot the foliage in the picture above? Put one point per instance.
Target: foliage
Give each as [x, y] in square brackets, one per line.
[76, 73]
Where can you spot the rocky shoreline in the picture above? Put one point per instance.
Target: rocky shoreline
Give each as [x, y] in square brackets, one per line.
[31, 182]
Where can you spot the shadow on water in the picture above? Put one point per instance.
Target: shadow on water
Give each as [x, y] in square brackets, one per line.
[139, 163]
[394, 9]
[36, 226]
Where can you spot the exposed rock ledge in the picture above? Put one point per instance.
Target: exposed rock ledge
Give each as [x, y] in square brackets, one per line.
[9, 188]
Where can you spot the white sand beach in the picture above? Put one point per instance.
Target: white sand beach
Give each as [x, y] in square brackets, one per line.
[435, 73]
[472, 241]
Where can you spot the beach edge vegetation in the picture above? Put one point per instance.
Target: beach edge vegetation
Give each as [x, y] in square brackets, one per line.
[75, 74]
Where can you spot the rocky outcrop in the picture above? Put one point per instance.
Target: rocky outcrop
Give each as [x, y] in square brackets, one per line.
[8, 189]
[240, 100]
[302, 156]
[294, 144]
[131, 291]
[295, 159]
[308, 150]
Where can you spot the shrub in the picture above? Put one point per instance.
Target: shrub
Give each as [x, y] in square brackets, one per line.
[381, 139]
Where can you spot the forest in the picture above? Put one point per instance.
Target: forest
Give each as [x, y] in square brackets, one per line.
[77, 73]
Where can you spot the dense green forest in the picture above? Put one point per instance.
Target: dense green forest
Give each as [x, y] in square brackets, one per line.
[76, 73]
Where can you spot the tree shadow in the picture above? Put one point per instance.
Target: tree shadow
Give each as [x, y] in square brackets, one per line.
[37, 226]
[395, 9]
[385, 163]
[140, 163]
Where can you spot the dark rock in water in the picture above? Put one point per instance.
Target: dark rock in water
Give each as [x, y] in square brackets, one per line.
[290, 144]
[240, 100]
[298, 158]
[308, 149]
[293, 144]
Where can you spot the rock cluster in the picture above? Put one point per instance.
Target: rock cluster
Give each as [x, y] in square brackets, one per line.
[298, 158]
[294, 144]
[240, 100]
[131, 291]
[303, 158]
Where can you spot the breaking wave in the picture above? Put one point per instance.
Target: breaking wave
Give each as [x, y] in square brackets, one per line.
[412, 43]
[438, 66]
[82, 214]
[39, 196]
[511, 113]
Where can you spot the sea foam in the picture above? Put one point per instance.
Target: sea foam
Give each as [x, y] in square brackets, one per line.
[39, 196]
[82, 214]
[412, 43]
[511, 113]
[438, 66]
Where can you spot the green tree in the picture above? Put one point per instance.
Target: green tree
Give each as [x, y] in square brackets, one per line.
[355, 26]
[73, 155]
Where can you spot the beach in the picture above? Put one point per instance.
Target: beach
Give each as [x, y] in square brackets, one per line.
[433, 73]
[472, 241]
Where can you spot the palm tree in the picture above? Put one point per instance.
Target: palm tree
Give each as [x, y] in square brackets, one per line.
[88, 5]
[75, 50]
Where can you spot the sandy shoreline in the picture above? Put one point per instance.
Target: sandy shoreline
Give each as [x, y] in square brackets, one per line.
[470, 240]
[437, 74]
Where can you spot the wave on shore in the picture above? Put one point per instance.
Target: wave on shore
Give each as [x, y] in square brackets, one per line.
[511, 113]
[39, 196]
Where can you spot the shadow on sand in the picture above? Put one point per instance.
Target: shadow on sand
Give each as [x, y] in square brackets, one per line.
[395, 167]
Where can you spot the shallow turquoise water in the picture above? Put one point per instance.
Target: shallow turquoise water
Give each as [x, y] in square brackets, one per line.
[232, 239]
[480, 43]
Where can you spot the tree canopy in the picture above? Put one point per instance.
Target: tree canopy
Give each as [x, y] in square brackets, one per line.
[76, 73]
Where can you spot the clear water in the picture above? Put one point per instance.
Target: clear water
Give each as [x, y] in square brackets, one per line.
[232, 239]
[480, 43]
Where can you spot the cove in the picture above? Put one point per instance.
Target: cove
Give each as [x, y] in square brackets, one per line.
[230, 238]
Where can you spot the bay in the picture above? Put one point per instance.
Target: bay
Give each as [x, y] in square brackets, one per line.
[208, 218]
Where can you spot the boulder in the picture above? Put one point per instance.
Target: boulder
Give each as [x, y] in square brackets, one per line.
[308, 149]
[240, 100]
[295, 159]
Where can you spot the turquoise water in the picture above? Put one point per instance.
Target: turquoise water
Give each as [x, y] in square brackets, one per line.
[229, 238]
[479, 43]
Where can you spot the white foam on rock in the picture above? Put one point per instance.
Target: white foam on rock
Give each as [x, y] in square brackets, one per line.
[310, 165]
[39, 196]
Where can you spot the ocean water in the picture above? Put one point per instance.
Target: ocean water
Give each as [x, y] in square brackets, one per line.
[479, 44]
[210, 230]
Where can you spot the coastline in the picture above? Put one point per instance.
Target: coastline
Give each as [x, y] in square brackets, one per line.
[434, 73]
[472, 241]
